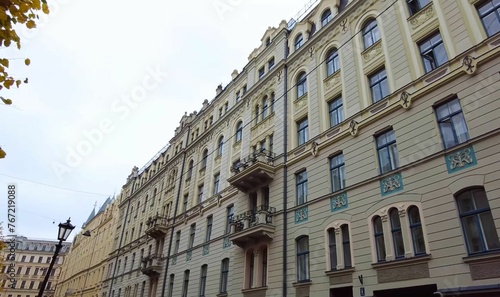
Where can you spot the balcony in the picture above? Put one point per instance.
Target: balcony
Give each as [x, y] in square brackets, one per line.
[253, 226]
[253, 171]
[152, 265]
[156, 227]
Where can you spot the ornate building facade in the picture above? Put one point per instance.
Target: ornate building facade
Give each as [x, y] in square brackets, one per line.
[86, 264]
[356, 154]
[33, 257]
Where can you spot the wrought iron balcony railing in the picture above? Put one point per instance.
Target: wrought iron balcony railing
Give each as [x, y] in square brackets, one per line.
[156, 226]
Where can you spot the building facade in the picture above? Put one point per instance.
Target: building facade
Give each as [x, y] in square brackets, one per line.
[32, 261]
[86, 264]
[356, 154]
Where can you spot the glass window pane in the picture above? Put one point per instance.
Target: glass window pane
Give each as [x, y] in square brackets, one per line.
[442, 112]
[465, 202]
[440, 54]
[398, 244]
[472, 234]
[384, 87]
[480, 199]
[385, 164]
[491, 24]
[394, 156]
[460, 128]
[414, 216]
[447, 134]
[380, 248]
[490, 232]
[342, 177]
[378, 225]
[395, 222]
[418, 240]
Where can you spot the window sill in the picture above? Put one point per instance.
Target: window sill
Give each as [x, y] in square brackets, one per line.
[482, 257]
[349, 270]
[304, 283]
[221, 294]
[371, 46]
[252, 290]
[301, 97]
[402, 262]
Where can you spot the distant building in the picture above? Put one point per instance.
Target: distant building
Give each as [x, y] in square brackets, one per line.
[33, 258]
[86, 263]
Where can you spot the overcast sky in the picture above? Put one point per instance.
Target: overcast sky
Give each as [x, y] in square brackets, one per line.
[88, 58]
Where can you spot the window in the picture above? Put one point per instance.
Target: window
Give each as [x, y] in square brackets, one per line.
[239, 131]
[336, 112]
[257, 112]
[326, 17]
[417, 235]
[145, 203]
[27, 272]
[433, 52]
[416, 5]
[489, 12]
[270, 63]
[299, 41]
[378, 232]
[226, 107]
[224, 274]
[238, 96]
[200, 193]
[303, 259]
[216, 183]
[342, 5]
[379, 86]
[191, 236]
[346, 245]
[301, 84]
[332, 62]
[177, 241]
[301, 187]
[32, 258]
[244, 89]
[203, 280]
[272, 102]
[264, 107]
[451, 123]
[477, 222]
[251, 269]
[36, 271]
[204, 159]
[23, 259]
[261, 72]
[268, 41]
[370, 33]
[387, 152]
[220, 146]
[185, 285]
[302, 134]
[332, 247]
[170, 286]
[23, 284]
[337, 172]
[229, 217]
[397, 235]
[210, 220]
[40, 259]
[220, 112]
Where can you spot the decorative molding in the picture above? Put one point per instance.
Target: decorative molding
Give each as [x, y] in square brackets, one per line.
[421, 17]
[391, 184]
[206, 249]
[333, 81]
[461, 159]
[262, 126]
[469, 65]
[344, 24]
[338, 202]
[354, 127]
[226, 243]
[301, 215]
[405, 100]
[314, 149]
[300, 102]
[372, 52]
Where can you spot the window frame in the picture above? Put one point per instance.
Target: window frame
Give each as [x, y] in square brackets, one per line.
[216, 183]
[370, 28]
[204, 159]
[185, 284]
[481, 16]
[299, 41]
[450, 116]
[301, 88]
[239, 132]
[387, 145]
[306, 260]
[326, 17]
[336, 111]
[332, 61]
[376, 235]
[428, 54]
[415, 9]
[208, 233]
[220, 146]
[396, 231]
[339, 167]
[379, 84]
[301, 184]
[224, 276]
[203, 280]
[302, 131]
[332, 248]
[192, 235]
[229, 218]
[415, 226]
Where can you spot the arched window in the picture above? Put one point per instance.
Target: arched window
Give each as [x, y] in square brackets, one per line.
[272, 102]
[397, 235]
[346, 245]
[477, 221]
[264, 107]
[203, 279]
[417, 235]
[190, 169]
[332, 62]
[220, 146]
[239, 131]
[326, 17]
[370, 33]
[342, 5]
[301, 84]
[224, 276]
[378, 233]
[299, 41]
[302, 244]
[204, 159]
[332, 244]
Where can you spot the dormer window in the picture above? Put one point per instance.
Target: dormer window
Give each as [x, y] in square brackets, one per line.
[299, 41]
[326, 17]
[268, 41]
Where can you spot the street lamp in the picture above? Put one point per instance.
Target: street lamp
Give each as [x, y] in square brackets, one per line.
[88, 234]
[64, 231]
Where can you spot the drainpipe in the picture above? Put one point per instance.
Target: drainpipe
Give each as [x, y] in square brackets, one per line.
[175, 215]
[120, 244]
[285, 168]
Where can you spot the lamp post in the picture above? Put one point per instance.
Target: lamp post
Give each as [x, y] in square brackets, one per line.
[88, 234]
[64, 231]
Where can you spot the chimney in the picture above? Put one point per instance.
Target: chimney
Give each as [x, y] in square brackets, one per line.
[218, 90]
[235, 74]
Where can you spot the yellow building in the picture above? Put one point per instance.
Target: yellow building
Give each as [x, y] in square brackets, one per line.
[85, 265]
[33, 258]
[356, 154]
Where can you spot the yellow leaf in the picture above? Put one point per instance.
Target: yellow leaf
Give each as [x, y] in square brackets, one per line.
[45, 8]
[8, 83]
[6, 42]
[4, 62]
[30, 24]
[18, 83]
[27, 62]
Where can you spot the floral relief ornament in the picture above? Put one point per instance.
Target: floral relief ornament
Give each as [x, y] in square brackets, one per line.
[339, 201]
[460, 159]
[391, 183]
[302, 215]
